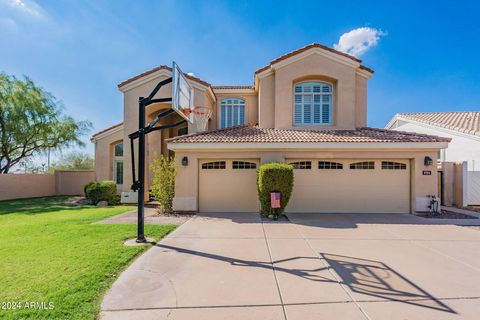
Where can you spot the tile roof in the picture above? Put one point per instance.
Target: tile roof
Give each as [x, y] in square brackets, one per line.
[232, 87]
[310, 46]
[162, 67]
[466, 122]
[107, 129]
[254, 134]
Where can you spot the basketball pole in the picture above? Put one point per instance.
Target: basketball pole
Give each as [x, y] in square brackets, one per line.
[141, 172]
[139, 185]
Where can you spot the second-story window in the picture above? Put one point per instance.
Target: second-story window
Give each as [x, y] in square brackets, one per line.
[313, 103]
[232, 112]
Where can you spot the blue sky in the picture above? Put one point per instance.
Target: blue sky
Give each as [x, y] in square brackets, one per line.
[425, 57]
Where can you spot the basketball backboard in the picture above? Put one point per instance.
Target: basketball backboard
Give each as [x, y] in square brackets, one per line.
[182, 94]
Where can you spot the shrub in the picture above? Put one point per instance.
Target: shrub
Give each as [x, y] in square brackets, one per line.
[86, 187]
[103, 191]
[162, 189]
[274, 177]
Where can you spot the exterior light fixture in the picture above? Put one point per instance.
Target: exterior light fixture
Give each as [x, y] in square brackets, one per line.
[427, 161]
[184, 161]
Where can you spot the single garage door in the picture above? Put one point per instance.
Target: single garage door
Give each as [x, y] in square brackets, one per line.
[228, 185]
[357, 186]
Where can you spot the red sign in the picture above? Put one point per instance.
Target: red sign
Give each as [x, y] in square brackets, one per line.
[275, 200]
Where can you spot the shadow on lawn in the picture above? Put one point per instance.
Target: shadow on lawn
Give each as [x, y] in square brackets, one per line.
[362, 276]
[34, 206]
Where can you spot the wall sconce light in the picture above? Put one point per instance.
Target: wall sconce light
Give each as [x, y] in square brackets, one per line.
[184, 161]
[427, 161]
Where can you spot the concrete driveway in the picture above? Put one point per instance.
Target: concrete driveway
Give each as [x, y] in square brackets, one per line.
[323, 266]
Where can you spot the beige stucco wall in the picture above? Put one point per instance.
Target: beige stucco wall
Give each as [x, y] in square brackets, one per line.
[154, 141]
[186, 185]
[349, 93]
[72, 182]
[18, 186]
[266, 102]
[104, 145]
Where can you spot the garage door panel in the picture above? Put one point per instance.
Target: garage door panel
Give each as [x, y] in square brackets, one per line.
[229, 189]
[351, 190]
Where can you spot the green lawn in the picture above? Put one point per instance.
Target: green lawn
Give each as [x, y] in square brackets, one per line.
[51, 252]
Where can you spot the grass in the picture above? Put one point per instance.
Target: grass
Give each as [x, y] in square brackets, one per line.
[51, 252]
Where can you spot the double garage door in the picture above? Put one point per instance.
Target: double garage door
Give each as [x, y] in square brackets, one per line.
[357, 186]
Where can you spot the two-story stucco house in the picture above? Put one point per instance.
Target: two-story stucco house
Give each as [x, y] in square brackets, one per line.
[463, 128]
[308, 108]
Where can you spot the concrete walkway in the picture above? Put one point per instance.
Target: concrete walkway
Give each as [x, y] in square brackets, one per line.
[151, 217]
[323, 266]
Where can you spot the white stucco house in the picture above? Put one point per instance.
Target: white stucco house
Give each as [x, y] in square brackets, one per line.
[464, 130]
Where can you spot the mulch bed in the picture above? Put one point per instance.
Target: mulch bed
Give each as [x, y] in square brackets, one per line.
[445, 214]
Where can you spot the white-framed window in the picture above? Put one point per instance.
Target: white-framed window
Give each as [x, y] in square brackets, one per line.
[302, 165]
[232, 112]
[118, 171]
[364, 165]
[243, 165]
[330, 165]
[391, 165]
[214, 165]
[118, 163]
[118, 150]
[313, 103]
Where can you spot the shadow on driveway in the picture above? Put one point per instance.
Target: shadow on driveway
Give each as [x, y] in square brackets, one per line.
[376, 279]
[361, 276]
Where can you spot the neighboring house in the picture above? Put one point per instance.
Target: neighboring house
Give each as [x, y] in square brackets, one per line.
[308, 108]
[464, 130]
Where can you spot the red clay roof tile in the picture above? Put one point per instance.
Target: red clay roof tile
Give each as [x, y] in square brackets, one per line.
[107, 129]
[254, 134]
[310, 46]
[164, 67]
[466, 122]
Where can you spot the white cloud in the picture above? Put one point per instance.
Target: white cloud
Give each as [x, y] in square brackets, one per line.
[26, 7]
[358, 41]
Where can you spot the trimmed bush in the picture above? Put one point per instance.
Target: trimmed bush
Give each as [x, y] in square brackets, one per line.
[274, 177]
[86, 187]
[162, 189]
[102, 191]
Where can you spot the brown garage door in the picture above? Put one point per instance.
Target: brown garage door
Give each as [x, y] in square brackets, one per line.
[228, 185]
[353, 185]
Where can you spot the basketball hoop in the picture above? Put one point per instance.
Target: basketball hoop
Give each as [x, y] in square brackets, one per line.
[201, 115]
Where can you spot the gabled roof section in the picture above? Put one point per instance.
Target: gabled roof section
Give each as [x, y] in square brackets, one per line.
[162, 67]
[95, 135]
[466, 122]
[308, 47]
[255, 134]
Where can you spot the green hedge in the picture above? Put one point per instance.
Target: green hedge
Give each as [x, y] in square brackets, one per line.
[278, 177]
[102, 191]
[86, 187]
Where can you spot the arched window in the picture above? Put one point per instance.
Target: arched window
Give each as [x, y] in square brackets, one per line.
[313, 103]
[232, 112]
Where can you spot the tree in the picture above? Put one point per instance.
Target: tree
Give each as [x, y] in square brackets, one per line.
[31, 121]
[75, 161]
[164, 171]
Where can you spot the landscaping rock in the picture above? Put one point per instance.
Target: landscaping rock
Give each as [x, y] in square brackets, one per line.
[79, 202]
[102, 204]
[84, 202]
